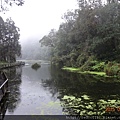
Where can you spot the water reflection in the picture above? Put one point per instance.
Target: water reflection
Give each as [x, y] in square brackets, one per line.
[83, 94]
[33, 98]
[14, 98]
[50, 90]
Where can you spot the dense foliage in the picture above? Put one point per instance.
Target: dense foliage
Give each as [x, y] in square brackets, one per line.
[9, 33]
[9, 41]
[89, 33]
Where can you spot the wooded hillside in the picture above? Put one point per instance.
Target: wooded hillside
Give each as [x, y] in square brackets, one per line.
[88, 34]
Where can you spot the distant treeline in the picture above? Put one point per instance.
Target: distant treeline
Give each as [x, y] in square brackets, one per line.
[9, 44]
[89, 33]
[34, 51]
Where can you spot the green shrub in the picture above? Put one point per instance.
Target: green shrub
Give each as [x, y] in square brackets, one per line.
[36, 66]
[82, 59]
[99, 66]
[112, 69]
[88, 64]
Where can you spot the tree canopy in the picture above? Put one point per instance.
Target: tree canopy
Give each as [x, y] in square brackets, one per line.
[9, 41]
[92, 31]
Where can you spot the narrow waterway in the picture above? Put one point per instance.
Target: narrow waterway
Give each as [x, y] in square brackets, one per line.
[51, 91]
[32, 98]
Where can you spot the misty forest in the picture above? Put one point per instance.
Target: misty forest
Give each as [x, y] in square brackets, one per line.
[72, 70]
[88, 39]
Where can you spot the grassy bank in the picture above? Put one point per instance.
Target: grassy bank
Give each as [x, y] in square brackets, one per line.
[77, 70]
[109, 69]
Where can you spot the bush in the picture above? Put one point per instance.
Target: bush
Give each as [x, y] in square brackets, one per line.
[112, 69]
[88, 64]
[82, 59]
[99, 66]
[36, 66]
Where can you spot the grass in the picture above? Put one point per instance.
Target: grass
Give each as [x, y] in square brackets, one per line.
[71, 69]
[94, 73]
[77, 70]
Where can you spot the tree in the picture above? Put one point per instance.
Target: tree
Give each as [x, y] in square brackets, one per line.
[10, 47]
[12, 36]
[92, 31]
[107, 43]
[50, 39]
[4, 4]
[9, 33]
[1, 38]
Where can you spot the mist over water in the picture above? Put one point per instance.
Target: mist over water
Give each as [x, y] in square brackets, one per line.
[32, 50]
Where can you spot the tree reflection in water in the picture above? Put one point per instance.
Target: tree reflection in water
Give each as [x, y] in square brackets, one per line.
[14, 76]
[83, 94]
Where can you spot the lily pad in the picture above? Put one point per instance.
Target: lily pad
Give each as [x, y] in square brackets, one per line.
[68, 97]
[85, 97]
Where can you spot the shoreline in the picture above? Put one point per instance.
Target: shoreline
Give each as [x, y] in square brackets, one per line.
[9, 65]
[77, 70]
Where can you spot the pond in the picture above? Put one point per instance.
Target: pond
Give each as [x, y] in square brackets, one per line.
[52, 91]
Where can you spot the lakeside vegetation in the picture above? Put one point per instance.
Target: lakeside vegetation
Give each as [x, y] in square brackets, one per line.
[111, 69]
[77, 70]
[88, 39]
[10, 47]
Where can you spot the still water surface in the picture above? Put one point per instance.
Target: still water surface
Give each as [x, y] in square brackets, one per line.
[51, 91]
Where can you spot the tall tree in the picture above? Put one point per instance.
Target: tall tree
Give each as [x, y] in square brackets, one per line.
[10, 47]
[91, 30]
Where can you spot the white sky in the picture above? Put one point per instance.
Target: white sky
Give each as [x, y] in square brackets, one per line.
[37, 17]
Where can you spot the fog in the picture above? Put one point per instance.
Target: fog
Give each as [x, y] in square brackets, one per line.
[37, 17]
[31, 49]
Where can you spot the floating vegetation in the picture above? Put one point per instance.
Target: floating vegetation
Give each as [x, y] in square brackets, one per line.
[68, 97]
[84, 105]
[85, 97]
[36, 66]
